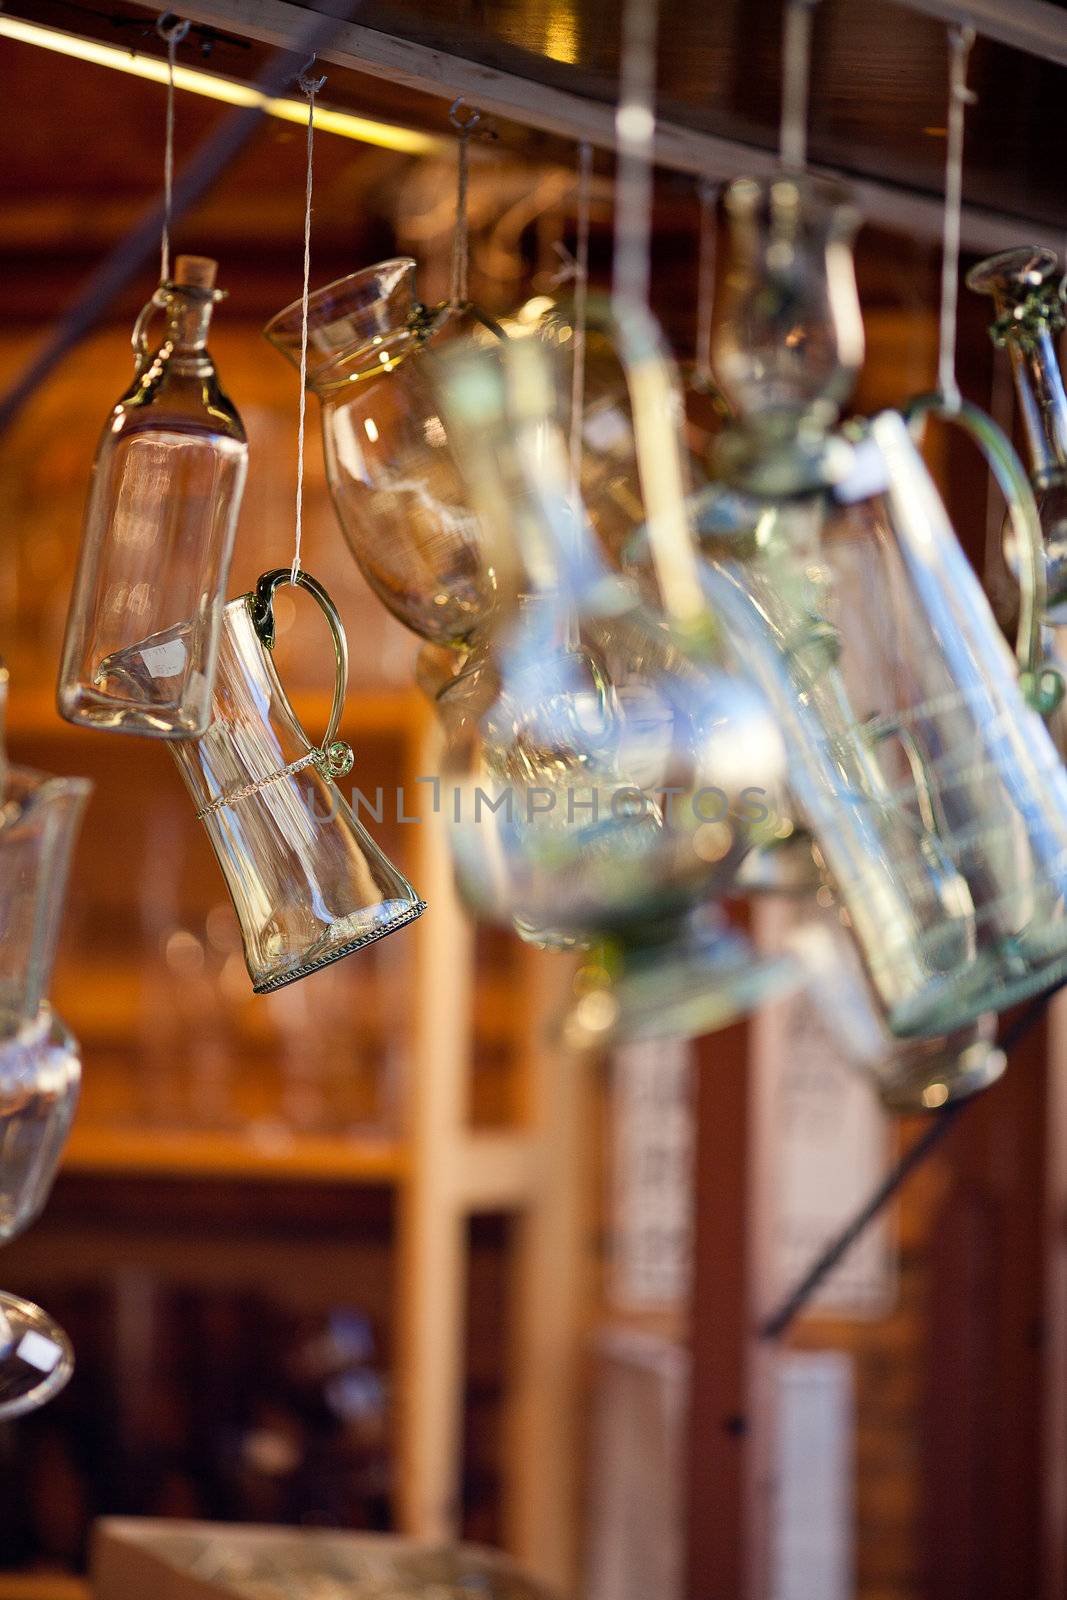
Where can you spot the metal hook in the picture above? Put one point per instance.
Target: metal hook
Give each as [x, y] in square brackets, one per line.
[171, 28]
[464, 126]
[305, 82]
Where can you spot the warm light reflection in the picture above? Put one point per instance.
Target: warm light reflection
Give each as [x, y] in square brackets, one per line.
[384, 134]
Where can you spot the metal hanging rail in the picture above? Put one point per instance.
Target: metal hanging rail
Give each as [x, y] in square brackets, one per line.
[1030, 25]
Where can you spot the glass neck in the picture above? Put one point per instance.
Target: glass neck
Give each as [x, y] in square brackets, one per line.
[1043, 402]
[188, 319]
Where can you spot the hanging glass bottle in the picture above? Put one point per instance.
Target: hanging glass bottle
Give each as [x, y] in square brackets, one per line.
[146, 607]
[930, 785]
[607, 770]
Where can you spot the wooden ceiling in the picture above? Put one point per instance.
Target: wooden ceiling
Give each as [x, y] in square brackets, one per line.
[877, 94]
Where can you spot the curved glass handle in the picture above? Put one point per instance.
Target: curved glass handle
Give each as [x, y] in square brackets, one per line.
[1041, 682]
[337, 757]
[139, 336]
[657, 407]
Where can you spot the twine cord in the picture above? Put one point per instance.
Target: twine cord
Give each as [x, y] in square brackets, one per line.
[796, 78]
[635, 132]
[459, 295]
[960, 97]
[581, 289]
[172, 31]
[309, 86]
[709, 195]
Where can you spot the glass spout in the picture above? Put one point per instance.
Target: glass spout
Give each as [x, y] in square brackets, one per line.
[364, 319]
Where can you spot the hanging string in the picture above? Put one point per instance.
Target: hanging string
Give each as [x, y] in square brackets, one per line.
[796, 75]
[581, 290]
[309, 86]
[459, 295]
[709, 195]
[960, 97]
[172, 31]
[635, 130]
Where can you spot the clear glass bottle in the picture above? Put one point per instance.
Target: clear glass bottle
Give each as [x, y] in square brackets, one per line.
[401, 503]
[146, 607]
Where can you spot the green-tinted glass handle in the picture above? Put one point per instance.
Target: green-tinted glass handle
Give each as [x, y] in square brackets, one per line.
[337, 757]
[1041, 682]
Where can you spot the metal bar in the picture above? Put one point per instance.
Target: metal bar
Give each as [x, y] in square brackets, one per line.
[572, 117]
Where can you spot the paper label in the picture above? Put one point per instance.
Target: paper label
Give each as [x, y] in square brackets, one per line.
[165, 660]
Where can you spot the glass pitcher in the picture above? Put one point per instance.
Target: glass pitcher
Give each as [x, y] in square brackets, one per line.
[401, 504]
[930, 785]
[1027, 300]
[146, 607]
[604, 761]
[308, 883]
[40, 1070]
[920, 1074]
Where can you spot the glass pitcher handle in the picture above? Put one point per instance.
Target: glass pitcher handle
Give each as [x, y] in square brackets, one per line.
[1040, 681]
[337, 757]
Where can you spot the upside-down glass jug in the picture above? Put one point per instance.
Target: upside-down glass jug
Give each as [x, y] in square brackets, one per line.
[307, 881]
[929, 783]
[607, 768]
[402, 505]
[40, 1069]
[146, 606]
[920, 1074]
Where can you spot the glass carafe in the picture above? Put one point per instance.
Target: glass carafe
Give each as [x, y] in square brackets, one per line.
[607, 768]
[930, 785]
[146, 607]
[920, 1074]
[307, 881]
[1027, 300]
[401, 503]
[39, 1063]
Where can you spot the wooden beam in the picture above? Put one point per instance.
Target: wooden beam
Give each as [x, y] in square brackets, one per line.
[1033, 26]
[573, 117]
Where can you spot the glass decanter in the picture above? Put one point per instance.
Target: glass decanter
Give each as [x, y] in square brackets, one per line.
[39, 1063]
[1027, 300]
[929, 784]
[146, 607]
[401, 503]
[607, 770]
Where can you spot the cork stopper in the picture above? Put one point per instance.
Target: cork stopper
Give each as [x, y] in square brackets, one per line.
[195, 272]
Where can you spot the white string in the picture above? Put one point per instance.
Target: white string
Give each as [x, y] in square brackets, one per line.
[310, 87]
[173, 33]
[581, 288]
[796, 74]
[706, 284]
[459, 295]
[960, 41]
[635, 130]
